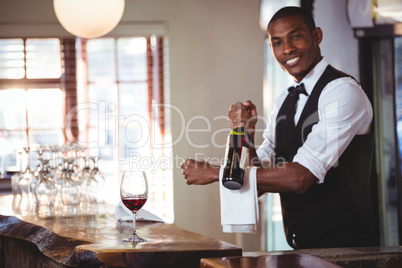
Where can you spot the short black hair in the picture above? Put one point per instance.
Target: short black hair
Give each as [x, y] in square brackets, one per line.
[293, 11]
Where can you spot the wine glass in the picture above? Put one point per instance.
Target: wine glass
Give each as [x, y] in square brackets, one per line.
[25, 184]
[44, 189]
[96, 182]
[17, 176]
[70, 184]
[134, 194]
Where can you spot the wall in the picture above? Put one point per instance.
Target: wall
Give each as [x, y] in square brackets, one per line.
[339, 46]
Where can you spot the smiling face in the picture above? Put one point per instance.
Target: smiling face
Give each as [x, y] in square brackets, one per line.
[295, 47]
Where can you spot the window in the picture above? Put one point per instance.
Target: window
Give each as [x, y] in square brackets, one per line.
[120, 117]
[31, 99]
[105, 94]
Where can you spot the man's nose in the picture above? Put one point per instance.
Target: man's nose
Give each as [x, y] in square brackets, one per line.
[288, 47]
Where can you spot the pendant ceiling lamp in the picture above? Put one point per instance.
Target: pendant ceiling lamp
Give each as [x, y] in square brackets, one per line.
[88, 18]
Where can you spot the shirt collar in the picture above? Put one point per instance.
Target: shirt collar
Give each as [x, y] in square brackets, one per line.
[312, 77]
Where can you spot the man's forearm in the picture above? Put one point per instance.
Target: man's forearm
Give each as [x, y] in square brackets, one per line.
[199, 172]
[286, 178]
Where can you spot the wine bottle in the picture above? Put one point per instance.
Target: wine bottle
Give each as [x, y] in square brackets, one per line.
[236, 158]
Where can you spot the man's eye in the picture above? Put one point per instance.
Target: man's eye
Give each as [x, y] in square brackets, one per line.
[297, 36]
[276, 43]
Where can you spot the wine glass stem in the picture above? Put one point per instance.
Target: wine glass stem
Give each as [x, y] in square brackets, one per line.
[28, 160]
[134, 219]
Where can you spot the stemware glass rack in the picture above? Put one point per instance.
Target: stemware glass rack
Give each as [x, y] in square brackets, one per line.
[65, 181]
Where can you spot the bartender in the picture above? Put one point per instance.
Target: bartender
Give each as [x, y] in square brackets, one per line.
[319, 139]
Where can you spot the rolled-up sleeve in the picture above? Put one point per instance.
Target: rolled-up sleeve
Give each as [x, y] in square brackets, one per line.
[344, 111]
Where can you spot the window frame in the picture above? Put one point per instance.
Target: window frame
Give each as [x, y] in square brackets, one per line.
[156, 97]
[27, 84]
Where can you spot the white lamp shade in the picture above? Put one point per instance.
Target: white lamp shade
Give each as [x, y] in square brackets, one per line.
[88, 18]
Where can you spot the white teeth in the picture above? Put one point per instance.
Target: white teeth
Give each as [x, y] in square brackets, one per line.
[292, 60]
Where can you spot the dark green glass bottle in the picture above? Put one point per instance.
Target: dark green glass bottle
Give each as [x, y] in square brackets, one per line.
[236, 154]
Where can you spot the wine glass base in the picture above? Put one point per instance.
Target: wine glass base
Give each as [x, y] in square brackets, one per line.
[135, 239]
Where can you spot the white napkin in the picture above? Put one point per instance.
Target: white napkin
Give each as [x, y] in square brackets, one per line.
[124, 214]
[239, 208]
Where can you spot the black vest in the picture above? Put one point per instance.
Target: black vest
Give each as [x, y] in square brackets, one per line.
[344, 197]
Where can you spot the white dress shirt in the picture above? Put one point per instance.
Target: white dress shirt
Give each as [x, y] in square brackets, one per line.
[343, 111]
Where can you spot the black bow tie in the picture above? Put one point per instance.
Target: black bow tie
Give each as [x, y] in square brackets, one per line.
[295, 91]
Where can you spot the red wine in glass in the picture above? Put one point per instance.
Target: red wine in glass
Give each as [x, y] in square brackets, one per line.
[134, 204]
[134, 194]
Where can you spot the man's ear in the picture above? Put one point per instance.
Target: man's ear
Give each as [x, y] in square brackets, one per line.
[317, 35]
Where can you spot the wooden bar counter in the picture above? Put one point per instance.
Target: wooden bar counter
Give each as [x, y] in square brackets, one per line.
[94, 240]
